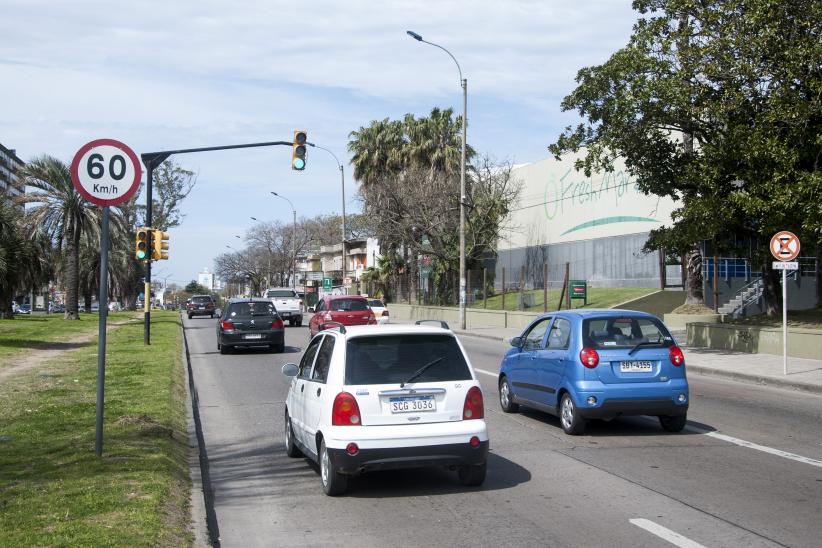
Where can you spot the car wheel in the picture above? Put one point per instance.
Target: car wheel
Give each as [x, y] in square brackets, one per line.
[299, 323]
[290, 447]
[277, 348]
[569, 417]
[224, 349]
[673, 424]
[334, 483]
[472, 475]
[189, 316]
[290, 323]
[212, 316]
[506, 400]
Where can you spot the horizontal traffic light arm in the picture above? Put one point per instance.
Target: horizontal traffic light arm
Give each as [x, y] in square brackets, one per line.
[154, 159]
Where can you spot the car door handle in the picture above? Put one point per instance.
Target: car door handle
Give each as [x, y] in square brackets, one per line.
[302, 388]
[318, 391]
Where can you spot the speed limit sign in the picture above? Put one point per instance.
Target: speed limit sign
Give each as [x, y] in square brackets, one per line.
[106, 172]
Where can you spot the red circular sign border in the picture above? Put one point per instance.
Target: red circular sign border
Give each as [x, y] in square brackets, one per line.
[75, 176]
[794, 236]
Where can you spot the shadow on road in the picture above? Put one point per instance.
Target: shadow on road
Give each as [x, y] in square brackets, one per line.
[621, 426]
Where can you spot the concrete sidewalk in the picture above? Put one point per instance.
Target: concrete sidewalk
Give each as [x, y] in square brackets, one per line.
[764, 369]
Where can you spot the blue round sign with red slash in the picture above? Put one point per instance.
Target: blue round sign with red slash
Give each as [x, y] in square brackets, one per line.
[106, 172]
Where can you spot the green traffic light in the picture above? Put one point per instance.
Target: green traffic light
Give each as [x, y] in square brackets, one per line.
[299, 163]
[141, 254]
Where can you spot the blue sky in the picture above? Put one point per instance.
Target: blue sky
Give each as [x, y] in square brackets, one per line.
[169, 75]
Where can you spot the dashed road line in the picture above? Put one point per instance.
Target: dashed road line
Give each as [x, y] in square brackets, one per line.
[664, 533]
[484, 372]
[757, 447]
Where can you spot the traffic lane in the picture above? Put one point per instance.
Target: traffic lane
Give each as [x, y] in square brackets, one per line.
[785, 419]
[241, 397]
[756, 491]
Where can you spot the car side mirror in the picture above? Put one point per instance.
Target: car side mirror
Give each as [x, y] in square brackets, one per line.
[517, 342]
[291, 369]
[311, 309]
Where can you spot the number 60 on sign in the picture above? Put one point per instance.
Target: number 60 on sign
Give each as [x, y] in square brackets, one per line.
[106, 172]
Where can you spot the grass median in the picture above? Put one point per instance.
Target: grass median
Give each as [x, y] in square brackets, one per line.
[54, 490]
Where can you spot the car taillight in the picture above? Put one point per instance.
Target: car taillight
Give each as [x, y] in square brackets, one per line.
[677, 357]
[372, 318]
[385, 312]
[473, 407]
[277, 324]
[227, 326]
[345, 411]
[589, 357]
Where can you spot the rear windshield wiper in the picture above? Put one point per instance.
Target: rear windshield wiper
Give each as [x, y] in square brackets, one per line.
[421, 370]
[643, 343]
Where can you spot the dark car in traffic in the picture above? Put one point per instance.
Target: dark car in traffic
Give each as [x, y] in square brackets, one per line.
[249, 323]
[200, 305]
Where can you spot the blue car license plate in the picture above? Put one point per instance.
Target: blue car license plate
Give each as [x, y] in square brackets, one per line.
[635, 367]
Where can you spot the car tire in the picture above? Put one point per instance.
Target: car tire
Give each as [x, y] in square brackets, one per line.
[333, 482]
[189, 316]
[299, 323]
[224, 349]
[291, 448]
[473, 474]
[277, 348]
[673, 424]
[572, 423]
[212, 316]
[290, 323]
[506, 397]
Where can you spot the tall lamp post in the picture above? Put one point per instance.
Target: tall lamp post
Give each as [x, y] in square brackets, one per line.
[293, 241]
[464, 84]
[342, 182]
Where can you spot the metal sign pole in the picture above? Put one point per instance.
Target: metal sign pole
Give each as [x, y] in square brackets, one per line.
[785, 322]
[101, 338]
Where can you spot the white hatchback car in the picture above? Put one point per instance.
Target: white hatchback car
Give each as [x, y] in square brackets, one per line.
[380, 311]
[395, 396]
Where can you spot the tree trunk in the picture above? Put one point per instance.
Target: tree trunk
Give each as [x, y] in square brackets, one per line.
[693, 287]
[772, 291]
[72, 275]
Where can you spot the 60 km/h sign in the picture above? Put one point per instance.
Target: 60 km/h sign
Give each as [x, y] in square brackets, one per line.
[106, 172]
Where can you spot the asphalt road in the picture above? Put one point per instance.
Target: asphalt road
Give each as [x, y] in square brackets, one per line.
[747, 471]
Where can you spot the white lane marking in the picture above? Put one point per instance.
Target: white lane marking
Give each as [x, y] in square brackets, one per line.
[673, 537]
[486, 372]
[763, 448]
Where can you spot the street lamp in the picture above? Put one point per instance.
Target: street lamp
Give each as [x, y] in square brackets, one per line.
[342, 181]
[464, 84]
[293, 241]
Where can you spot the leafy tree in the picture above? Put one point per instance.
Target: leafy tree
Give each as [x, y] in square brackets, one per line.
[171, 184]
[195, 288]
[717, 104]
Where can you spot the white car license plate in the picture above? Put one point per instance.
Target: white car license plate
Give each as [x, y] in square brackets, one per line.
[285, 314]
[635, 367]
[253, 336]
[412, 404]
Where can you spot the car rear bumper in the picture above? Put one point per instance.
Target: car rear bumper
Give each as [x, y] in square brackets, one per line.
[201, 312]
[407, 445]
[615, 408]
[366, 460]
[270, 338]
[290, 315]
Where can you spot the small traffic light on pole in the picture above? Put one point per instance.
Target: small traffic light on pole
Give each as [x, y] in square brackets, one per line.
[160, 245]
[298, 150]
[141, 244]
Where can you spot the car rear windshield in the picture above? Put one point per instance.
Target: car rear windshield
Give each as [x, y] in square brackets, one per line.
[282, 293]
[390, 359]
[255, 308]
[376, 302]
[348, 305]
[201, 300]
[624, 331]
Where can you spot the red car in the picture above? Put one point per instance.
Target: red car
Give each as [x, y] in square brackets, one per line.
[344, 309]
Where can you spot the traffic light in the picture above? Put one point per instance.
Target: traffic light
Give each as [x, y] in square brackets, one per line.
[298, 150]
[160, 245]
[141, 243]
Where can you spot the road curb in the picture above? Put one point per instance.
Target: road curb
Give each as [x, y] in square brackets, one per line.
[761, 380]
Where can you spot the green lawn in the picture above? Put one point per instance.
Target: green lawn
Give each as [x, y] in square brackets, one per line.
[598, 297]
[54, 490]
[41, 331]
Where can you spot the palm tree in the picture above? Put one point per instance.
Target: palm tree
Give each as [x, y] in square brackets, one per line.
[377, 150]
[63, 213]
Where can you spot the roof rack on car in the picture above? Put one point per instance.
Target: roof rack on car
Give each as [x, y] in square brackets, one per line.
[442, 323]
[335, 324]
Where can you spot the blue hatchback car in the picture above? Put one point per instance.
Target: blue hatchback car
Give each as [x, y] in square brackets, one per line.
[596, 364]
